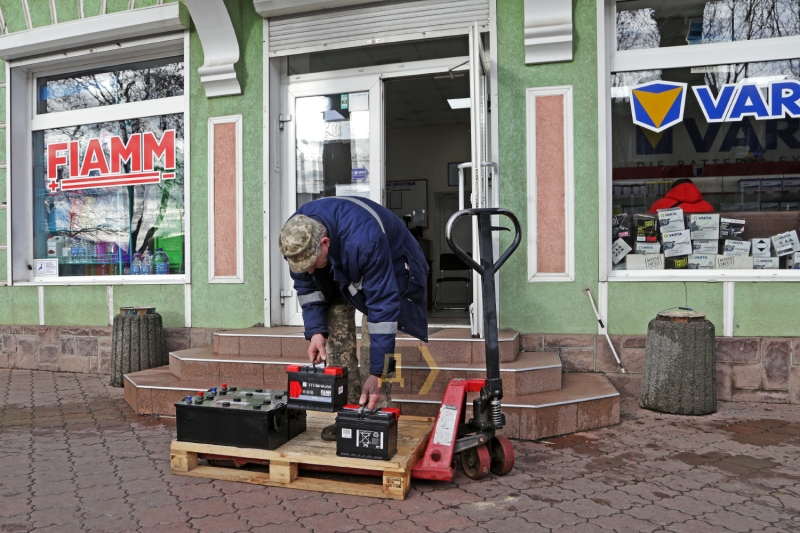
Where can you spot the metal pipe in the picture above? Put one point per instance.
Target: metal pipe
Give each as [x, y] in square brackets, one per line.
[588, 292]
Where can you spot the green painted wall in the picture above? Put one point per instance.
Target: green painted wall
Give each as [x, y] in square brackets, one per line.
[766, 309]
[167, 299]
[631, 306]
[67, 10]
[91, 8]
[14, 15]
[548, 307]
[19, 305]
[230, 305]
[75, 306]
[40, 13]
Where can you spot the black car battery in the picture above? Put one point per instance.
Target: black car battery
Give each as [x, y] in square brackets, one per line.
[366, 434]
[317, 389]
[240, 417]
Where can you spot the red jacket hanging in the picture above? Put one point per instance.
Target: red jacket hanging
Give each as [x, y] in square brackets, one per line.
[686, 196]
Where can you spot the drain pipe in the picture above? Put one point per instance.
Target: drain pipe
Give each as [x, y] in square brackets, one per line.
[588, 292]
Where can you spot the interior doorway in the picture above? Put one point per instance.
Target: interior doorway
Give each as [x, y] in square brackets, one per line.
[427, 135]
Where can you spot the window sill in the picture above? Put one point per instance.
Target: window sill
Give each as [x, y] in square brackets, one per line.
[171, 279]
[709, 276]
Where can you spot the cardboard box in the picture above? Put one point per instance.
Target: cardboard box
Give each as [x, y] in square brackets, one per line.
[733, 263]
[648, 247]
[734, 248]
[702, 261]
[620, 226]
[791, 184]
[793, 261]
[730, 228]
[705, 247]
[677, 243]
[766, 263]
[644, 262]
[785, 243]
[670, 220]
[750, 185]
[619, 249]
[761, 247]
[645, 227]
[676, 263]
[703, 226]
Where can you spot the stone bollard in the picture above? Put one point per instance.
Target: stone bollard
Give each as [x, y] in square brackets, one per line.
[680, 365]
[137, 343]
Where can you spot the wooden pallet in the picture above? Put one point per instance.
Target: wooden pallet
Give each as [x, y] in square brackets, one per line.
[310, 450]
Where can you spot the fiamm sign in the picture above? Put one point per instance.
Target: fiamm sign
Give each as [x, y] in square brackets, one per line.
[94, 170]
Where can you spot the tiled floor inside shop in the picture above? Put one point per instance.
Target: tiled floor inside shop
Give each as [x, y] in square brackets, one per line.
[74, 457]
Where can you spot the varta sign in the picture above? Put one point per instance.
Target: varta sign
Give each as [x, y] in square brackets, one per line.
[657, 105]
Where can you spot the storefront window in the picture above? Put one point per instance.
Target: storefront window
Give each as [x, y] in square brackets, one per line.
[333, 157]
[109, 196]
[706, 167]
[660, 23]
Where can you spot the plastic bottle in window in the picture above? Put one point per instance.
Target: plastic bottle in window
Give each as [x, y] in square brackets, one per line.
[147, 262]
[160, 262]
[136, 266]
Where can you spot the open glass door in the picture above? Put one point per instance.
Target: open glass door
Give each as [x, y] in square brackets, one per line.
[482, 169]
[332, 143]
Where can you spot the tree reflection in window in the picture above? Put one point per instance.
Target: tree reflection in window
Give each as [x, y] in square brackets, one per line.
[137, 82]
[664, 23]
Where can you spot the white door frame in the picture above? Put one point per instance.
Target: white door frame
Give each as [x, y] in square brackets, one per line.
[291, 92]
[275, 152]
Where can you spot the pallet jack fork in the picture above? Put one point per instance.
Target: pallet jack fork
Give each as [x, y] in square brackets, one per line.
[480, 448]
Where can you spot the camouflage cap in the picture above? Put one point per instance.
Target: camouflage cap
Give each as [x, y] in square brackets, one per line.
[299, 242]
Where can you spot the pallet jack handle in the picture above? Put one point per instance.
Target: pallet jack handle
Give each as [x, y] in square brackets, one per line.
[487, 269]
[480, 447]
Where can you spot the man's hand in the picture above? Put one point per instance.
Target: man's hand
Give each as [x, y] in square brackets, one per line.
[316, 349]
[371, 391]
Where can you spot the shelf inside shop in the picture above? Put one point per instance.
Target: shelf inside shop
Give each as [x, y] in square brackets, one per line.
[88, 259]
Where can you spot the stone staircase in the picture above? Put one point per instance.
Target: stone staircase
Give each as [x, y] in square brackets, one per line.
[539, 400]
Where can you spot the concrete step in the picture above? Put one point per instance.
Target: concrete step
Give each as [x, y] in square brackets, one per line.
[531, 372]
[585, 401]
[448, 345]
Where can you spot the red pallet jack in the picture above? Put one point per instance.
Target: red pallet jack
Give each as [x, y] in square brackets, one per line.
[481, 449]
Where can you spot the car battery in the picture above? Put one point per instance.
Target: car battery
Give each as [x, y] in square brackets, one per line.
[367, 434]
[240, 417]
[317, 389]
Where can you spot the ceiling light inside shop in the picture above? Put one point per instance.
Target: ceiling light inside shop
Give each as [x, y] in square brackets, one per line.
[458, 103]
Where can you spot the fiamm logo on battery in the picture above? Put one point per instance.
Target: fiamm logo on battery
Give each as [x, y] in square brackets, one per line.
[657, 105]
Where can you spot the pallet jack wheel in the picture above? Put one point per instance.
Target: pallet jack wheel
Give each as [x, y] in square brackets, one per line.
[502, 456]
[476, 461]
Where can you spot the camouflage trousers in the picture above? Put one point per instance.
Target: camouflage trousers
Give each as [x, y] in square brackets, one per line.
[341, 350]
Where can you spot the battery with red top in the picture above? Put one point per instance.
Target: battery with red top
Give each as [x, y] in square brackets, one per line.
[317, 389]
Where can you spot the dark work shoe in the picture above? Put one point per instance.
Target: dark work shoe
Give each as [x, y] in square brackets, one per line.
[329, 432]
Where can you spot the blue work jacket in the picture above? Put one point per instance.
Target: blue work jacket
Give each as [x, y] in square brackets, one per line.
[376, 264]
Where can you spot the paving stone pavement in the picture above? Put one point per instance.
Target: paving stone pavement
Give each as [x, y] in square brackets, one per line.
[74, 457]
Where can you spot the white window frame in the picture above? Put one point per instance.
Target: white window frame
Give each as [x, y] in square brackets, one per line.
[609, 60]
[21, 76]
